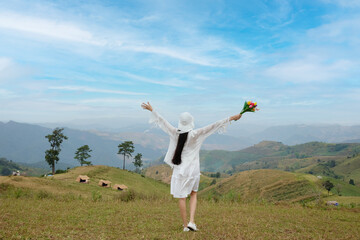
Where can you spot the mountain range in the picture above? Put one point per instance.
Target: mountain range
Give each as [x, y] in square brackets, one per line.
[26, 143]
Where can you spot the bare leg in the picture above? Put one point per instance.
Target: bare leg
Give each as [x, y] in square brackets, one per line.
[182, 206]
[193, 200]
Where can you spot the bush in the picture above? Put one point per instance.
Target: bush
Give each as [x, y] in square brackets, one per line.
[18, 192]
[43, 195]
[213, 182]
[60, 171]
[96, 196]
[127, 196]
[4, 187]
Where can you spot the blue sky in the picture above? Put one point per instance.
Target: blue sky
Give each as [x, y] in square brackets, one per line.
[94, 62]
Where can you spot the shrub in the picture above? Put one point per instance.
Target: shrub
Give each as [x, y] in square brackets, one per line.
[18, 192]
[60, 171]
[43, 194]
[4, 187]
[127, 196]
[96, 196]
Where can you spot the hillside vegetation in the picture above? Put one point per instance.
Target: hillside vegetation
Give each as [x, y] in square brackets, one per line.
[333, 160]
[64, 185]
[268, 185]
[7, 167]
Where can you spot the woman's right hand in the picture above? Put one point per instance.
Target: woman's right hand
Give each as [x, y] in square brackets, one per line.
[235, 117]
[147, 106]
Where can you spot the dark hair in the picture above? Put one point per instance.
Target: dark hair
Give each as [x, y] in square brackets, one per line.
[179, 147]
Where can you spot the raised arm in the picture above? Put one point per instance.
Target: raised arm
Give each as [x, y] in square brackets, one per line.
[159, 120]
[217, 126]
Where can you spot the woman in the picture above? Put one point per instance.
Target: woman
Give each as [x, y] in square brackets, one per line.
[183, 157]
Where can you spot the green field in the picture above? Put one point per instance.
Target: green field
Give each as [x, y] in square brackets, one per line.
[60, 208]
[143, 219]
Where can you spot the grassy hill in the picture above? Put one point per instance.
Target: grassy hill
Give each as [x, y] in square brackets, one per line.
[159, 172]
[64, 185]
[334, 160]
[269, 185]
[59, 208]
[7, 167]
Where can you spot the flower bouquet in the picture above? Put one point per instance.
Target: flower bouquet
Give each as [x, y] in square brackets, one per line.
[249, 106]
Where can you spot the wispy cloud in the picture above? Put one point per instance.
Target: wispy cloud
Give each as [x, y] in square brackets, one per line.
[172, 82]
[47, 27]
[344, 3]
[93, 90]
[135, 41]
[309, 70]
[4, 63]
[10, 70]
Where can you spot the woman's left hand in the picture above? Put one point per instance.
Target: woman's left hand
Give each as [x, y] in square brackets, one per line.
[147, 106]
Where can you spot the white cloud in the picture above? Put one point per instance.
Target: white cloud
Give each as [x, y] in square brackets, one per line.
[46, 27]
[10, 70]
[4, 63]
[344, 3]
[181, 54]
[109, 101]
[213, 52]
[4, 93]
[171, 83]
[94, 90]
[308, 70]
[340, 31]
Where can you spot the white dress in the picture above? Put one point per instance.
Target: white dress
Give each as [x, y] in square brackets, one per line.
[186, 176]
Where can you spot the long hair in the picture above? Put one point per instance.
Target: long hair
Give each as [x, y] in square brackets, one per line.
[179, 147]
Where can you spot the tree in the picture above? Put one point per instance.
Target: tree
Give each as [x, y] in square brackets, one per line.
[5, 171]
[126, 149]
[138, 162]
[55, 139]
[82, 154]
[351, 181]
[328, 185]
[338, 189]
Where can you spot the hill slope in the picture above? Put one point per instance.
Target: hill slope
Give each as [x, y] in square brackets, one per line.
[275, 155]
[65, 184]
[270, 185]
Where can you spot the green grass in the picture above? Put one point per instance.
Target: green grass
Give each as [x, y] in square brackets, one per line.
[49, 218]
[60, 208]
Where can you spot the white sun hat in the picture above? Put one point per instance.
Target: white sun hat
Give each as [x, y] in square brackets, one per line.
[186, 122]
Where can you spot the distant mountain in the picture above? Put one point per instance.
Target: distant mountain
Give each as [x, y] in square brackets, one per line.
[156, 139]
[26, 143]
[297, 134]
[239, 137]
